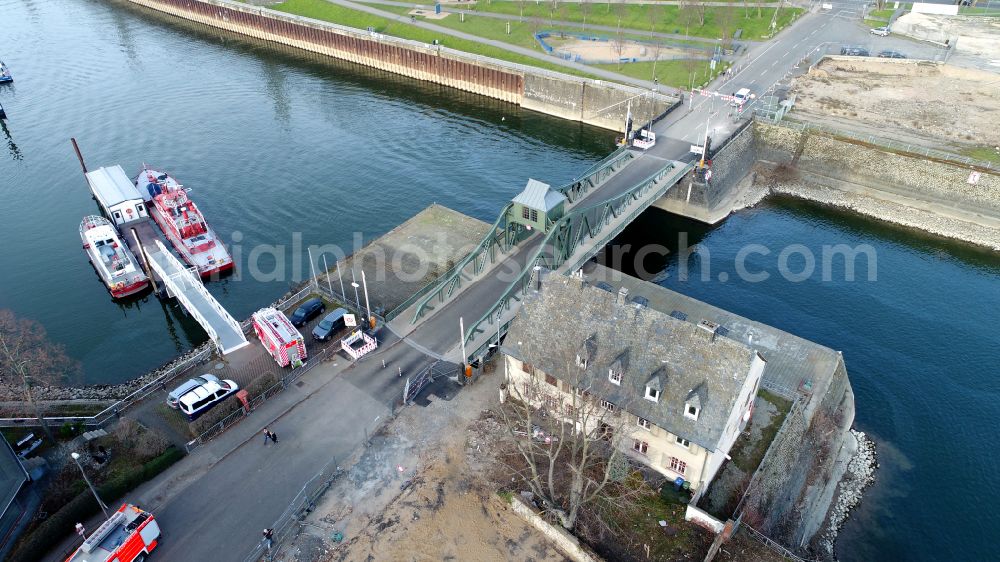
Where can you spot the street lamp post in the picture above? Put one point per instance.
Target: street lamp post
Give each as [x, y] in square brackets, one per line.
[104, 508]
[368, 308]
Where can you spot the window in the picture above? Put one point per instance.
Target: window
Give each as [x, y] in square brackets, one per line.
[528, 368]
[581, 361]
[640, 446]
[677, 465]
[534, 215]
[525, 213]
[552, 404]
[683, 442]
[570, 411]
[691, 411]
[609, 406]
[615, 376]
[652, 394]
[605, 432]
[644, 423]
[551, 380]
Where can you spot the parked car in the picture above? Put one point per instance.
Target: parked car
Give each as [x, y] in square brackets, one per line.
[188, 386]
[205, 396]
[854, 51]
[887, 54]
[329, 325]
[307, 311]
[604, 286]
[640, 301]
[881, 31]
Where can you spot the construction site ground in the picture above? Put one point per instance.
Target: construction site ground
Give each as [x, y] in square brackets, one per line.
[926, 104]
[419, 492]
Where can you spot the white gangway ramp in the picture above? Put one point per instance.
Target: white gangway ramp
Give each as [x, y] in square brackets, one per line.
[185, 285]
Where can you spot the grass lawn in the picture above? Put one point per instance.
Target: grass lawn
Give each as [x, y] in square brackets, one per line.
[322, 10]
[640, 525]
[875, 23]
[676, 73]
[988, 153]
[881, 14]
[522, 33]
[666, 19]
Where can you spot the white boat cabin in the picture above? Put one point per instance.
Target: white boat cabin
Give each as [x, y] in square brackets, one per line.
[117, 195]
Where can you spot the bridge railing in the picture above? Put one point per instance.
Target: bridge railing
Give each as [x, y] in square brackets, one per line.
[502, 237]
[571, 230]
[444, 286]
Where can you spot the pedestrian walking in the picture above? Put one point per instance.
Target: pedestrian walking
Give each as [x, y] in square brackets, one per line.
[269, 537]
[274, 436]
[267, 435]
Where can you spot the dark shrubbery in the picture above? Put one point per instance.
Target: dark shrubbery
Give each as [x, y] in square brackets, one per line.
[36, 545]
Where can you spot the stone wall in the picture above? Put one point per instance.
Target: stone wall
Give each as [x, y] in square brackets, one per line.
[910, 176]
[562, 95]
[711, 201]
[562, 539]
[800, 462]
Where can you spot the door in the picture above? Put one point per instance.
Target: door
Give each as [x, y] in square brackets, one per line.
[117, 216]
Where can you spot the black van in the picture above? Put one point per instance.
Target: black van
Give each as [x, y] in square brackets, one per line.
[329, 325]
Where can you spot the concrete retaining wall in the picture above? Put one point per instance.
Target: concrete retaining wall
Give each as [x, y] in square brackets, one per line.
[548, 92]
[562, 539]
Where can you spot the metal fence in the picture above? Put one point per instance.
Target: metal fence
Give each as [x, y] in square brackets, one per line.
[285, 527]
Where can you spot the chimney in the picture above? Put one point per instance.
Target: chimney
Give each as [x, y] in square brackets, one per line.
[538, 277]
[710, 327]
[622, 295]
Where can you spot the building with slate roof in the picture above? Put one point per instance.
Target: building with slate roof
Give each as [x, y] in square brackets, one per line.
[681, 392]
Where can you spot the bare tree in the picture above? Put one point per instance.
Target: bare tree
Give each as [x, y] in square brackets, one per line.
[700, 9]
[654, 12]
[520, 6]
[686, 14]
[28, 359]
[657, 47]
[726, 16]
[758, 4]
[621, 10]
[618, 45]
[568, 443]
[585, 10]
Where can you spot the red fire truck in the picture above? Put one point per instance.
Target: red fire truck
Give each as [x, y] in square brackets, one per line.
[285, 344]
[129, 535]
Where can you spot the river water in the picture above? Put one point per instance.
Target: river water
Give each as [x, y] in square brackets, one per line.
[279, 146]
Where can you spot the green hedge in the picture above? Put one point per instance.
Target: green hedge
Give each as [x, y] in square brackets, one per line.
[38, 544]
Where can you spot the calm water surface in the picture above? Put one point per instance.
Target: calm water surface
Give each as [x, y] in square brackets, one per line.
[279, 148]
[921, 350]
[277, 143]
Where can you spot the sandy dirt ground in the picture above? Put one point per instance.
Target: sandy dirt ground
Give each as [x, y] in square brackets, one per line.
[606, 50]
[417, 493]
[905, 101]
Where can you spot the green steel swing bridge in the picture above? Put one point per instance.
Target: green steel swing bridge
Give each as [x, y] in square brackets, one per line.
[482, 292]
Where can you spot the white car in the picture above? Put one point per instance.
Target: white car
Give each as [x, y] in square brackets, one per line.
[881, 31]
[188, 386]
[203, 397]
[741, 96]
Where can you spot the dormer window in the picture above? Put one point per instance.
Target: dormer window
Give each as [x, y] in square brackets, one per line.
[615, 376]
[652, 394]
[581, 361]
[691, 411]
